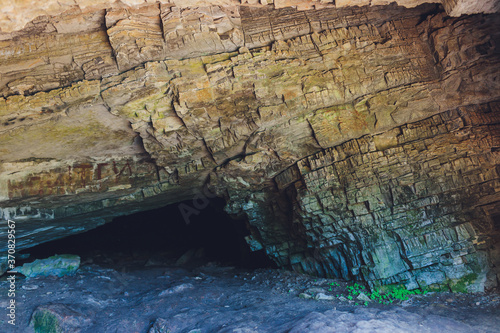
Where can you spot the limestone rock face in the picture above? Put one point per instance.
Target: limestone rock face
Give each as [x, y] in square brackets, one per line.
[360, 142]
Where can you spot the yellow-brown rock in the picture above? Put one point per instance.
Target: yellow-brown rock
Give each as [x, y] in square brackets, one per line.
[373, 130]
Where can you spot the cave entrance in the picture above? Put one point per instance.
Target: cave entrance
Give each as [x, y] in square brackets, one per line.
[162, 237]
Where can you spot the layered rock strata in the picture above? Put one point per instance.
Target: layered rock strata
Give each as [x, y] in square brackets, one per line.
[15, 14]
[417, 204]
[360, 142]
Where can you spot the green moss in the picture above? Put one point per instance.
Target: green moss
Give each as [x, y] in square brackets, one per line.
[46, 322]
[387, 288]
[455, 285]
[460, 285]
[435, 287]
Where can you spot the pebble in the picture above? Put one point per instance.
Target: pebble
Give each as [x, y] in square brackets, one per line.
[406, 303]
[362, 297]
[324, 297]
[30, 287]
[315, 290]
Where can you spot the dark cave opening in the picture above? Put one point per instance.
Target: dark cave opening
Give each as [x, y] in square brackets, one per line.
[162, 236]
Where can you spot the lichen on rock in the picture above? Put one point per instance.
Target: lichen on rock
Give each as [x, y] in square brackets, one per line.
[58, 265]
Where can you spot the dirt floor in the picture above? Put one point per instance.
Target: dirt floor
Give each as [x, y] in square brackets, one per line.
[145, 295]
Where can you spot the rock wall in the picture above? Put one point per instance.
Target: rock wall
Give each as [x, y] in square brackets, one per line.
[16, 14]
[417, 204]
[360, 142]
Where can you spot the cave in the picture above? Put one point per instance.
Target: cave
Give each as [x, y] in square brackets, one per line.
[250, 165]
[162, 237]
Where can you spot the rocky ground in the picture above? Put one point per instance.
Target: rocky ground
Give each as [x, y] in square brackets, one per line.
[146, 295]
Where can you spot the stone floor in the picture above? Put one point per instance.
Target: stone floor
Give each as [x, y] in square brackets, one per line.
[146, 295]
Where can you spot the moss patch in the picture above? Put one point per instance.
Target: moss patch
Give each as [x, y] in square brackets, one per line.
[454, 285]
[460, 285]
[45, 322]
[435, 287]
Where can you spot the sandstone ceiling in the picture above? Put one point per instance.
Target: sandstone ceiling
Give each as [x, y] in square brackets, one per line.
[15, 14]
[360, 142]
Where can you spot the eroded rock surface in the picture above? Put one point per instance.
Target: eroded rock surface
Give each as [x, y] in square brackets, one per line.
[100, 299]
[16, 14]
[360, 142]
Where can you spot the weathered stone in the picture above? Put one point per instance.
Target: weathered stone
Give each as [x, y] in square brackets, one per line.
[177, 289]
[59, 318]
[360, 142]
[46, 56]
[58, 265]
[160, 326]
[135, 35]
[191, 32]
[324, 297]
[15, 15]
[422, 230]
[461, 7]
[363, 298]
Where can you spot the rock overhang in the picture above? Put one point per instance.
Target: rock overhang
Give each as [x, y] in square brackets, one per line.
[16, 14]
[164, 100]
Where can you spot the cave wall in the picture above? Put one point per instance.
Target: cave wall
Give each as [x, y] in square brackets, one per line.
[360, 142]
[15, 15]
[415, 204]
